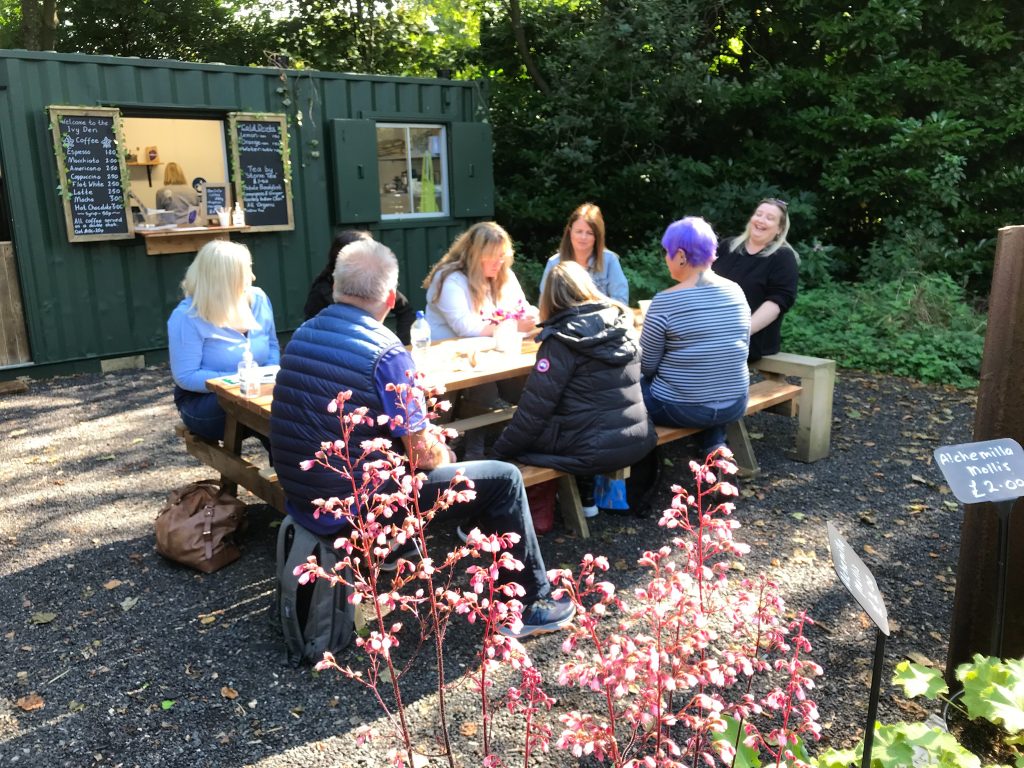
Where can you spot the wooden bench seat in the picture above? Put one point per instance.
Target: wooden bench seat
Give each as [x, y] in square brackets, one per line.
[763, 395]
[260, 482]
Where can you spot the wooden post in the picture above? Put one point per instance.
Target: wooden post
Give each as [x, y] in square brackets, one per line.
[1000, 413]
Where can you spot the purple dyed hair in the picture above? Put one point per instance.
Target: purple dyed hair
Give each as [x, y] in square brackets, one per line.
[694, 237]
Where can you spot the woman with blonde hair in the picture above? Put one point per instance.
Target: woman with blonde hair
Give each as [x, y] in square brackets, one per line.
[176, 194]
[471, 282]
[582, 410]
[222, 314]
[583, 242]
[762, 262]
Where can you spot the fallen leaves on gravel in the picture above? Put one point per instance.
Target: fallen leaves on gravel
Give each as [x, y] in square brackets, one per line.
[229, 693]
[31, 702]
[128, 603]
[43, 617]
[113, 584]
[468, 729]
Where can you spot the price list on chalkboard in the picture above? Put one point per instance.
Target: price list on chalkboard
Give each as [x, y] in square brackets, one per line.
[260, 151]
[90, 165]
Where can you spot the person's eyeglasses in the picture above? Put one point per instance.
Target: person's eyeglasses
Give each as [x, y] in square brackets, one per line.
[782, 204]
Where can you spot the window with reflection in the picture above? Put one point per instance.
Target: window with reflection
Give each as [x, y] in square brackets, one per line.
[413, 170]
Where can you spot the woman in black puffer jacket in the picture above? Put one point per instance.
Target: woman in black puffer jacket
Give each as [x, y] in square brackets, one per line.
[582, 411]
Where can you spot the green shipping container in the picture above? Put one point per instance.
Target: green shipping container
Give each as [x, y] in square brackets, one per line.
[408, 159]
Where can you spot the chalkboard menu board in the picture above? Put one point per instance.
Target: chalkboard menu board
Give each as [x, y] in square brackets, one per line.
[260, 160]
[215, 196]
[87, 144]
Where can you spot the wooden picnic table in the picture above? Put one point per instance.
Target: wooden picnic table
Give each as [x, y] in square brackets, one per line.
[454, 364]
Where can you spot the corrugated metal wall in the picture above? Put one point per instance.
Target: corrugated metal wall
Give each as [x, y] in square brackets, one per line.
[108, 299]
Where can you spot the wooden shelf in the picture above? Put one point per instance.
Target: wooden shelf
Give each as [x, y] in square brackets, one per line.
[185, 240]
[135, 162]
[148, 165]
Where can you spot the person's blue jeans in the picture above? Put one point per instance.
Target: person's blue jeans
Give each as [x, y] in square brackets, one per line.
[204, 417]
[201, 413]
[711, 417]
[500, 506]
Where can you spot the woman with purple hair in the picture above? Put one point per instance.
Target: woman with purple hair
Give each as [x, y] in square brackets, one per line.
[695, 340]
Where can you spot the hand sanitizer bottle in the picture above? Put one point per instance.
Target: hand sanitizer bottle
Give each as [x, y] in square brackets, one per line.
[248, 375]
[238, 216]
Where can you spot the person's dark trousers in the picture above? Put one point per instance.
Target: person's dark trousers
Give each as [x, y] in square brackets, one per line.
[500, 506]
[404, 316]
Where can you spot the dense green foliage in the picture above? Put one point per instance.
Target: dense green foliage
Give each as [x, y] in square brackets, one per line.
[921, 326]
[894, 128]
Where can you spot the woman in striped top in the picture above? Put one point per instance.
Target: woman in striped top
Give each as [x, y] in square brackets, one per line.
[695, 340]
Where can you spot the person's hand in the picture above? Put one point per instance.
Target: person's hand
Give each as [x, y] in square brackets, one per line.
[527, 324]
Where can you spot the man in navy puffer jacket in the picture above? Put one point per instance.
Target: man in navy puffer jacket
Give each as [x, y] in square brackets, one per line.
[347, 347]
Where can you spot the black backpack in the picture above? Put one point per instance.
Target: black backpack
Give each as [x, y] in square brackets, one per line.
[314, 617]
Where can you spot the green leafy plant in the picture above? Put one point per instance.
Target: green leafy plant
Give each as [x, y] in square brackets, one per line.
[921, 326]
[993, 692]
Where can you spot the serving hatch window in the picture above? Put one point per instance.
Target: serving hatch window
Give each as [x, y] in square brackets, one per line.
[413, 170]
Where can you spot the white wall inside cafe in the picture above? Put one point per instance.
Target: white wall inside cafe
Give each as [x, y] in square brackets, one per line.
[195, 145]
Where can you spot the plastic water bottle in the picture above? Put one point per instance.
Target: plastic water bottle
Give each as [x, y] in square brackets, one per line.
[248, 374]
[419, 334]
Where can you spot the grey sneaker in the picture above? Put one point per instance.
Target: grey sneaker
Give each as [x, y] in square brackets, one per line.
[409, 551]
[542, 616]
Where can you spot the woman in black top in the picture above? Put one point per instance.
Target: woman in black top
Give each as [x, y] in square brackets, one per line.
[765, 267]
[321, 292]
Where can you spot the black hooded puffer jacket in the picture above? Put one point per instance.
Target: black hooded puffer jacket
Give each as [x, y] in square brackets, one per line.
[582, 411]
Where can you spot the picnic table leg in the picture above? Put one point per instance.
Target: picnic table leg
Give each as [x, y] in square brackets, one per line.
[742, 450]
[814, 412]
[232, 444]
[572, 508]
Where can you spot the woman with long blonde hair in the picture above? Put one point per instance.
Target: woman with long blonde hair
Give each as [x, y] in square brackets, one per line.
[177, 194]
[471, 282]
[222, 314]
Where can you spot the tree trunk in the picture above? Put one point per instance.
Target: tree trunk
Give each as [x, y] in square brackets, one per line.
[48, 28]
[31, 21]
[515, 17]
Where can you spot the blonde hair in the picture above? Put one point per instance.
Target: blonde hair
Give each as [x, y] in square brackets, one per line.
[568, 285]
[591, 214]
[173, 175]
[466, 256]
[780, 239]
[218, 281]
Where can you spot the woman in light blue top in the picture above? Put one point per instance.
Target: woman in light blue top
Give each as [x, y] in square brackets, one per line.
[695, 340]
[583, 242]
[208, 331]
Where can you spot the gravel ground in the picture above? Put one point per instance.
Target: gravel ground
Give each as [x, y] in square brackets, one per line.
[137, 662]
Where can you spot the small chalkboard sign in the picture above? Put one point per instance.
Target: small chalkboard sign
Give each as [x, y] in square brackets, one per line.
[87, 144]
[857, 579]
[989, 471]
[259, 148]
[215, 196]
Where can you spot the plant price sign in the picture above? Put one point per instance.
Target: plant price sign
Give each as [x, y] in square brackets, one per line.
[988, 471]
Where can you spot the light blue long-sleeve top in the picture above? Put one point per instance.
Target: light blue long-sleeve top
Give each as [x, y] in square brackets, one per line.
[201, 351]
[611, 281]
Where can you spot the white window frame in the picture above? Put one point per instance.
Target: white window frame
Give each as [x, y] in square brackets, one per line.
[441, 184]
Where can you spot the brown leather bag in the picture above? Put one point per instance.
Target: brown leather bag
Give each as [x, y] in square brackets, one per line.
[198, 525]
